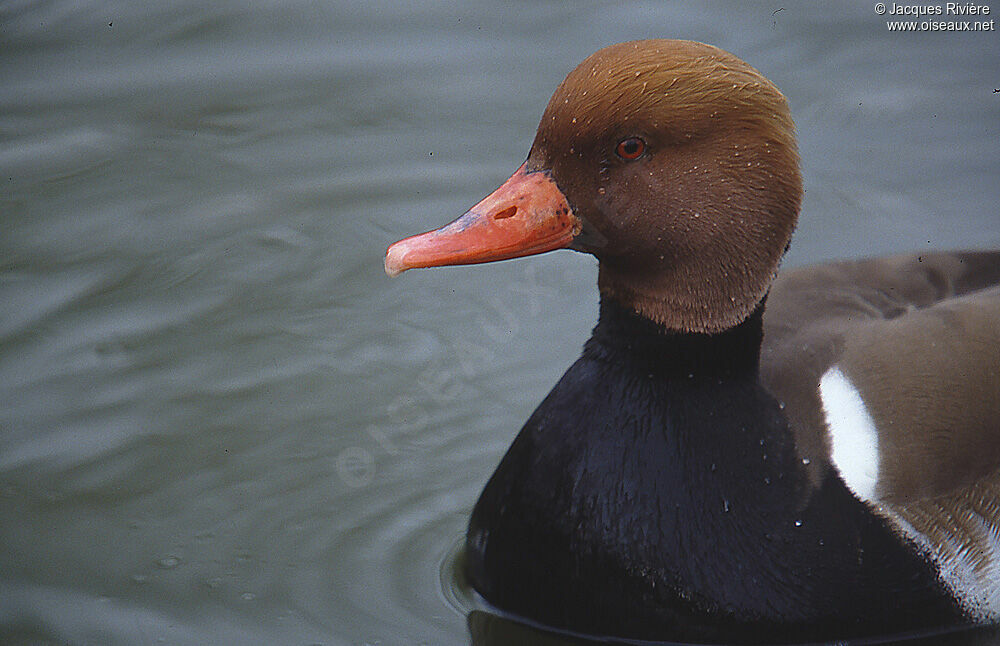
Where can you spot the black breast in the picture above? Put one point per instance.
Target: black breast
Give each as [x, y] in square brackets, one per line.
[655, 494]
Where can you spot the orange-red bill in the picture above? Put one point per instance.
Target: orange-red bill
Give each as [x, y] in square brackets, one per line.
[525, 216]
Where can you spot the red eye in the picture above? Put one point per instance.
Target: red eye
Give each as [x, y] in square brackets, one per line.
[631, 148]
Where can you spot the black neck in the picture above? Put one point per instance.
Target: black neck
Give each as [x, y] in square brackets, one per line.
[668, 352]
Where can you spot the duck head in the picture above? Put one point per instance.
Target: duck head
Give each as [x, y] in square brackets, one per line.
[673, 162]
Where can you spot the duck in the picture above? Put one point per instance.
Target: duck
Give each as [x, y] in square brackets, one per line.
[739, 455]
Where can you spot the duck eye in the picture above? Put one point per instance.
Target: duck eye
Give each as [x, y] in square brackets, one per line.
[631, 148]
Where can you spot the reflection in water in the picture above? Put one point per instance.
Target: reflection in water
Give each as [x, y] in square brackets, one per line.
[488, 629]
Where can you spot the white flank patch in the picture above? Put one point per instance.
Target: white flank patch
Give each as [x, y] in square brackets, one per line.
[967, 549]
[853, 436]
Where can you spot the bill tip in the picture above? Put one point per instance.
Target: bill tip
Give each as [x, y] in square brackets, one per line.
[394, 261]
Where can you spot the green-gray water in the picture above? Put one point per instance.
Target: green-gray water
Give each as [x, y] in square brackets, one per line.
[220, 422]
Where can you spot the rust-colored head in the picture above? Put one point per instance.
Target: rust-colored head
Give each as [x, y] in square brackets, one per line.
[678, 163]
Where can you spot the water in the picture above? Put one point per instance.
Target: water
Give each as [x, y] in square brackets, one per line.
[219, 421]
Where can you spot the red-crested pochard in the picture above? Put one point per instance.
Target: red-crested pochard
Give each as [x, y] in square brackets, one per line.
[824, 468]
